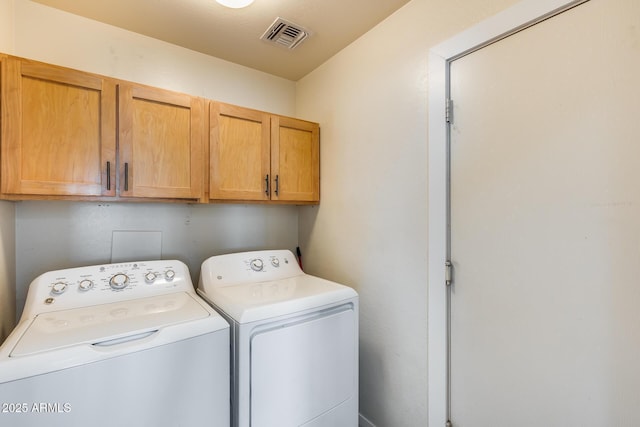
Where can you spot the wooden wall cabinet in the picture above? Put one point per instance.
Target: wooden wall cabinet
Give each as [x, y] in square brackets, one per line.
[58, 131]
[161, 142]
[256, 156]
[239, 156]
[68, 134]
[64, 130]
[295, 160]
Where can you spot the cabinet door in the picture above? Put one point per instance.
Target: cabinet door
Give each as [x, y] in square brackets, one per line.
[58, 131]
[295, 161]
[161, 136]
[239, 153]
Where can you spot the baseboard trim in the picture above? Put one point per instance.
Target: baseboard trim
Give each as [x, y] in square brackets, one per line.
[363, 422]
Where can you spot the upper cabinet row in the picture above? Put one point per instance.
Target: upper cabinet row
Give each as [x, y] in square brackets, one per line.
[70, 134]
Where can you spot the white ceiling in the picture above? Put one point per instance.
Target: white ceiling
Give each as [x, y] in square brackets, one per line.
[234, 34]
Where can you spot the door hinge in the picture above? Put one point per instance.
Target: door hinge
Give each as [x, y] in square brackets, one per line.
[448, 273]
[448, 424]
[449, 111]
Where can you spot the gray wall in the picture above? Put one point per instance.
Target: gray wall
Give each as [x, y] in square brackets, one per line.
[7, 268]
[7, 209]
[55, 235]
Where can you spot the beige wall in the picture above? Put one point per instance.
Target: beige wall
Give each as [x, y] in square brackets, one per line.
[57, 37]
[370, 231]
[6, 26]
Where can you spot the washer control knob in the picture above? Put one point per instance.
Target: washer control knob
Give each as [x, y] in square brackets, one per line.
[169, 275]
[150, 277]
[275, 262]
[58, 288]
[119, 281]
[85, 285]
[257, 264]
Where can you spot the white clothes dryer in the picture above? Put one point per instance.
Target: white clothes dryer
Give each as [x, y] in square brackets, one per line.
[294, 340]
[127, 344]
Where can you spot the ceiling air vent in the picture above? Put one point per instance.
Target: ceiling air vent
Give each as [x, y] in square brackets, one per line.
[285, 34]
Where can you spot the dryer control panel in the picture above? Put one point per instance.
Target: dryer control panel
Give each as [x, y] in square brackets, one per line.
[99, 284]
[249, 267]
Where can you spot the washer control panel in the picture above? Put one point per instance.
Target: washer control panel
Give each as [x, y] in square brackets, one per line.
[99, 284]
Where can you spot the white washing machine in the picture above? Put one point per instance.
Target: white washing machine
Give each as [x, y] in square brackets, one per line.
[127, 344]
[294, 341]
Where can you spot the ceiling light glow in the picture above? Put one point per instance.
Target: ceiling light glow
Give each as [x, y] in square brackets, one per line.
[235, 4]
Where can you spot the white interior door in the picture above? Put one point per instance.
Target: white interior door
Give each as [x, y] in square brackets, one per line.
[545, 224]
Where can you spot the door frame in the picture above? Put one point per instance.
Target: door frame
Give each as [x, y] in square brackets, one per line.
[516, 18]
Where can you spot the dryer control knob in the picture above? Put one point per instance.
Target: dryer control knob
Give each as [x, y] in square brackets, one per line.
[169, 275]
[58, 288]
[257, 264]
[275, 262]
[150, 277]
[119, 281]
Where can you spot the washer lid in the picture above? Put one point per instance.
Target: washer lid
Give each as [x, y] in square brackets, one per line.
[108, 324]
[250, 302]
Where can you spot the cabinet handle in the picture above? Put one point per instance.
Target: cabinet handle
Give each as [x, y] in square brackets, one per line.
[126, 177]
[108, 176]
[266, 181]
[277, 184]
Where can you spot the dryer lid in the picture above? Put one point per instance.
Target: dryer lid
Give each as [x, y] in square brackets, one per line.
[107, 323]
